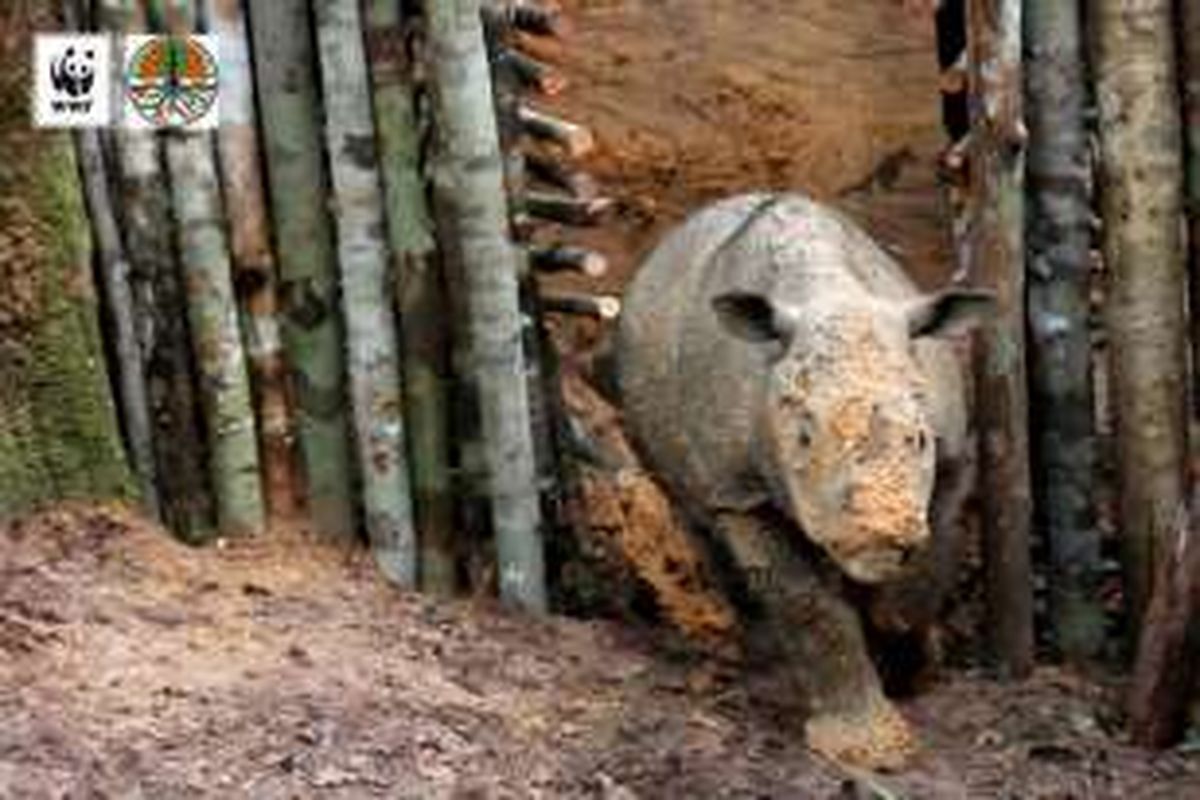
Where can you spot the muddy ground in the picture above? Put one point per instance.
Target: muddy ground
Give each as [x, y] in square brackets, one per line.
[131, 666]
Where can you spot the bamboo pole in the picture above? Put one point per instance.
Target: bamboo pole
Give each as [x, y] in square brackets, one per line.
[419, 291]
[250, 245]
[363, 256]
[469, 184]
[996, 243]
[312, 329]
[1058, 252]
[1142, 196]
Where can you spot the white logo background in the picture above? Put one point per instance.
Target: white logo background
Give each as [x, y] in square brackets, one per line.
[73, 80]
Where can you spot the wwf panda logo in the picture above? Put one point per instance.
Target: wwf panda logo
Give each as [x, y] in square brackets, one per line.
[74, 71]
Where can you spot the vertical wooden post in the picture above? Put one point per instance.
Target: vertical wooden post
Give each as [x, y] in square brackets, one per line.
[1060, 347]
[419, 290]
[312, 330]
[366, 278]
[250, 246]
[468, 180]
[997, 253]
[1189, 49]
[1142, 195]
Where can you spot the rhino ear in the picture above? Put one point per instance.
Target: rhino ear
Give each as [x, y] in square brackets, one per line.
[950, 311]
[752, 317]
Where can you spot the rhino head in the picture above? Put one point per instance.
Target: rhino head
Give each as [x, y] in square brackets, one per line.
[847, 434]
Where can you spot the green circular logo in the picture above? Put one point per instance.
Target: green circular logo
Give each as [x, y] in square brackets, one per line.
[172, 81]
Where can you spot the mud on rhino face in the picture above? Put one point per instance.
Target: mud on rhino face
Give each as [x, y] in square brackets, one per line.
[847, 427]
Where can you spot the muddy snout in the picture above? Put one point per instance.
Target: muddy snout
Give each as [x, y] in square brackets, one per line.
[876, 556]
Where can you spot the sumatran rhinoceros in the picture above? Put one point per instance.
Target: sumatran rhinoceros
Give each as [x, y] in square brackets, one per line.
[777, 371]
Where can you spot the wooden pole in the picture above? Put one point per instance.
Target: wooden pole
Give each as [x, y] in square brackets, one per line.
[469, 185]
[253, 260]
[1142, 196]
[1189, 48]
[997, 253]
[212, 312]
[420, 294]
[311, 326]
[144, 208]
[1060, 348]
[364, 259]
[1165, 670]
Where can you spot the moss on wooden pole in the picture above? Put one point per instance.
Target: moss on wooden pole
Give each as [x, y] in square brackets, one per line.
[290, 116]
[997, 252]
[419, 291]
[1142, 204]
[371, 331]
[468, 181]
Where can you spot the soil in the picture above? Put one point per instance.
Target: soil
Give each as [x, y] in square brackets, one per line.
[133, 666]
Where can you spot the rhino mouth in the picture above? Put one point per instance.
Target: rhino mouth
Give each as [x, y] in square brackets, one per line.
[878, 564]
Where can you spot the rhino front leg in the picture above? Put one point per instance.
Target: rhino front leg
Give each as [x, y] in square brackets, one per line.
[819, 637]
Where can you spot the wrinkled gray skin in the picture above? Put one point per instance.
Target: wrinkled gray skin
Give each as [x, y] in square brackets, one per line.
[772, 357]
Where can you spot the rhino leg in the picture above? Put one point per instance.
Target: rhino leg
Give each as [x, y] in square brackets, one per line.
[818, 637]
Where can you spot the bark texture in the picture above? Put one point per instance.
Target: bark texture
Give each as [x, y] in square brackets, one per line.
[1165, 671]
[118, 299]
[996, 242]
[1058, 245]
[1143, 251]
[312, 328]
[250, 246]
[468, 180]
[419, 291]
[366, 291]
[58, 426]
[145, 216]
[1189, 48]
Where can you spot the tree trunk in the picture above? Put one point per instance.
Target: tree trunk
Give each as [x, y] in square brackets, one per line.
[118, 298]
[996, 243]
[363, 255]
[1165, 671]
[1189, 44]
[469, 185]
[144, 210]
[1143, 251]
[312, 328]
[419, 293]
[213, 318]
[1058, 245]
[58, 426]
[250, 246]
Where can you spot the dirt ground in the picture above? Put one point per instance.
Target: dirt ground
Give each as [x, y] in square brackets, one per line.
[131, 666]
